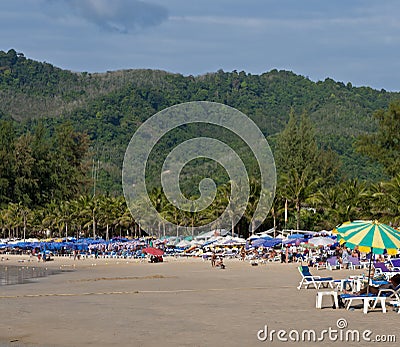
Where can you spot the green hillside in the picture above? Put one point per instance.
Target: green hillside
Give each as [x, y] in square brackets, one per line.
[110, 106]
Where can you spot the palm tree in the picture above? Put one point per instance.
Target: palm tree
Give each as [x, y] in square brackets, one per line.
[17, 217]
[124, 217]
[327, 201]
[175, 215]
[88, 207]
[354, 200]
[107, 213]
[237, 197]
[297, 188]
[388, 198]
[159, 202]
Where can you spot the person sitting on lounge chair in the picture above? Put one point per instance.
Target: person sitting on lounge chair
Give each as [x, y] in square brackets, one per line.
[394, 282]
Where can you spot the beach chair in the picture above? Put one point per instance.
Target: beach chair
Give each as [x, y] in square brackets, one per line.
[381, 268]
[332, 263]
[366, 300]
[393, 294]
[395, 264]
[371, 300]
[316, 281]
[354, 263]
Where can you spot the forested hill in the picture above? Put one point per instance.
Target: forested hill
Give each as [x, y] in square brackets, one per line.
[110, 106]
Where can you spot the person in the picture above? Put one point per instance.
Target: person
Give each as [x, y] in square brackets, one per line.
[393, 283]
[355, 253]
[213, 259]
[242, 253]
[220, 263]
[344, 259]
[380, 259]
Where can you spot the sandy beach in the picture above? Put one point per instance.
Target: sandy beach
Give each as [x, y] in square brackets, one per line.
[181, 302]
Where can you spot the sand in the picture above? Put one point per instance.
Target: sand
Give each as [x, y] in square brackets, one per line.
[181, 302]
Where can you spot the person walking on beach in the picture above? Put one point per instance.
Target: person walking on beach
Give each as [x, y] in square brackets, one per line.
[242, 253]
[213, 259]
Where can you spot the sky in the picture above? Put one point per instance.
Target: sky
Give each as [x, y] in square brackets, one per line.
[356, 41]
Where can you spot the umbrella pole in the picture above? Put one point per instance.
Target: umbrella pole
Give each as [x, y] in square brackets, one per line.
[369, 269]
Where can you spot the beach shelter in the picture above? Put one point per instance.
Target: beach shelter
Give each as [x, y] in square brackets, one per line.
[183, 244]
[321, 241]
[370, 237]
[296, 236]
[153, 251]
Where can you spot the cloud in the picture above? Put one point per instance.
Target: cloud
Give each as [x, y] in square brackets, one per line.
[121, 16]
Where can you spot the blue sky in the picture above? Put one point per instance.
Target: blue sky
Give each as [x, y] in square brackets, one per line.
[355, 41]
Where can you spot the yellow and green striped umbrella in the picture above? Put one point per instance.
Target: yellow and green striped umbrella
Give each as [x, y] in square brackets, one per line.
[369, 236]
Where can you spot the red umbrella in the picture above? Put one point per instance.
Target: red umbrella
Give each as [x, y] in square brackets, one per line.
[153, 251]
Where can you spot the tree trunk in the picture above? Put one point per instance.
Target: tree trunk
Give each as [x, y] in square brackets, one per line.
[94, 227]
[298, 208]
[24, 227]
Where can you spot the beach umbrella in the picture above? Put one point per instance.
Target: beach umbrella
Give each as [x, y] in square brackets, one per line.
[370, 237]
[271, 243]
[153, 251]
[321, 241]
[296, 236]
[183, 244]
[296, 241]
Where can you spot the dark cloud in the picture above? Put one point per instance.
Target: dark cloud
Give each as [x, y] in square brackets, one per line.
[117, 15]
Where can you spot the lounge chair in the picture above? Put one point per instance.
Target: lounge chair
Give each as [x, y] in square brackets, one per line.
[332, 263]
[366, 299]
[395, 264]
[354, 263]
[372, 300]
[381, 268]
[389, 293]
[316, 281]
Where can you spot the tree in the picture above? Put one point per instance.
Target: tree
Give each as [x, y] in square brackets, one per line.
[298, 189]
[384, 145]
[348, 201]
[297, 162]
[26, 184]
[296, 146]
[386, 201]
[7, 161]
[68, 175]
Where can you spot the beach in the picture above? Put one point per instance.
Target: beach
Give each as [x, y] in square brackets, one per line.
[180, 302]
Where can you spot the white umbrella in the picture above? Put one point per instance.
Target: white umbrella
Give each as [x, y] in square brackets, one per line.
[183, 244]
[321, 241]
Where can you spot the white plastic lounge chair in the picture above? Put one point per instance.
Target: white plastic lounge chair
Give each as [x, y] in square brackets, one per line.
[395, 264]
[366, 301]
[354, 263]
[381, 268]
[332, 263]
[370, 300]
[316, 281]
[393, 294]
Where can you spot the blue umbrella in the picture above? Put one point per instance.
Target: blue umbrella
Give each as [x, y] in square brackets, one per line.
[265, 242]
[271, 243]
[293, 241]
[296, 236]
